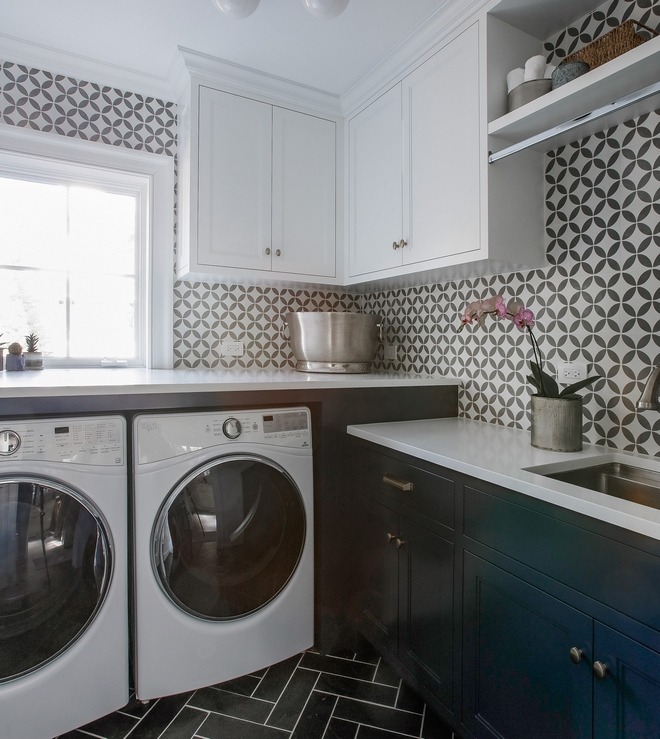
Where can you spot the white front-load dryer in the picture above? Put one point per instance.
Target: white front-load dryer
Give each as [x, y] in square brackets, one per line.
[64, 625]
[223, 545]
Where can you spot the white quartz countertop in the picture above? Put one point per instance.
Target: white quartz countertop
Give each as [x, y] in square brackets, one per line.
[503, 456]
[115, 381]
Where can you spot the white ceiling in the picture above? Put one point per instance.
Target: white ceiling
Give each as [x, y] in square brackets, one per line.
[280, 38]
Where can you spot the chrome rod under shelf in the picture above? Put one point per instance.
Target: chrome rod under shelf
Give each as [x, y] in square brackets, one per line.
[580, 120]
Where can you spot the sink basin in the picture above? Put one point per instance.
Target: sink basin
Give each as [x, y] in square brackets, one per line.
[620, 480]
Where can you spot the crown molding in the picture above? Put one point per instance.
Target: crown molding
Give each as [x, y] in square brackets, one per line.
[412, 50]
[83, 68]
[237, 78]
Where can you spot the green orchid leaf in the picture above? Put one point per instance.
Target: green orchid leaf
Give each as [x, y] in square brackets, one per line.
[572, 389]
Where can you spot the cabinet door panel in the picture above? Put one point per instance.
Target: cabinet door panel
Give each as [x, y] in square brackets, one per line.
[303, 194]
[378, 572]
[627, 699]
[442, 159]
[234, 204]
[518, 676]
[426, 597]
[375, 185]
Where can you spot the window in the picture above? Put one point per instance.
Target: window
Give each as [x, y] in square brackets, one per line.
[85, 251]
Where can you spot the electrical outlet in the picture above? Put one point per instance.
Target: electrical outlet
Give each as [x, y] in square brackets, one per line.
[391, 351]
[231, 349]
[569, 372]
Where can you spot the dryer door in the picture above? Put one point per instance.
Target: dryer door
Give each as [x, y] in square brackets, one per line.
[229, 537]
[55, 569]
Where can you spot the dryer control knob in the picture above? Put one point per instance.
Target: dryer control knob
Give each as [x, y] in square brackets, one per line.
[9, 442]
[231, 428]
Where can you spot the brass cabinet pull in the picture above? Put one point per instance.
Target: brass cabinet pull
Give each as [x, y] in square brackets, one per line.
[576, 654]
[600, 669]
[405, 486]
[394, 539]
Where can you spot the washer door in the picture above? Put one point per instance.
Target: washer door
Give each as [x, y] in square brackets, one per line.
[55, 570]
[229, 537]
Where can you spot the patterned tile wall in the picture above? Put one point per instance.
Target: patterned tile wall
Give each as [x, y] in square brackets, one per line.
[599, 298]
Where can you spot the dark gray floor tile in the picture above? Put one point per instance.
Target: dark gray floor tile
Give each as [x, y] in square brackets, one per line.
[371, 732]
[224, 727]
[338, 666]
[293, 699]
[245, 685]
[433, 727]
[386, 675]
[276, 678]
[159, 716]
[340, 729]
[112, 726]
[359, 689]
[315, 716]
[379, 716]
[231, 704]
[185, 724]
[409, 700]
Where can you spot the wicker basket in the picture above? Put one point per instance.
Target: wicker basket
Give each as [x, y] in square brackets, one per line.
[611, 45]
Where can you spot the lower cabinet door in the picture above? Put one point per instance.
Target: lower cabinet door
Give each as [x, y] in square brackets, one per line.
[519, 678]
[376, 533]
[426, 589]
[626, 687]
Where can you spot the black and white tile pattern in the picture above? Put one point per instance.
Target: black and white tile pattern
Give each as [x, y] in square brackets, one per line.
[310, 696]
[599, 298]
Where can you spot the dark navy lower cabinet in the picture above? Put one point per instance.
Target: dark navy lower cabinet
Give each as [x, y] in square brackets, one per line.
[519, 680]
[516, 618]
[404, 572]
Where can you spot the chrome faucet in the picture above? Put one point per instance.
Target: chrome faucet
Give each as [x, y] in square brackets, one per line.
[650, 397]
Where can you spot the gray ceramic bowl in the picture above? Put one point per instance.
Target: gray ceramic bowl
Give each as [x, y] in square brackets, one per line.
[567, 72]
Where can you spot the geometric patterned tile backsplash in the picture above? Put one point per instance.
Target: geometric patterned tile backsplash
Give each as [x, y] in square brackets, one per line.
[598, 299]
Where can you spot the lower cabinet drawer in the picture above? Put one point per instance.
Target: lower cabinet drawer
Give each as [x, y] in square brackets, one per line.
[623, 577]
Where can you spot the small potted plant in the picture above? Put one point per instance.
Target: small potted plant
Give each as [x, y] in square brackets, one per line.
[33, 357]
[15, 358]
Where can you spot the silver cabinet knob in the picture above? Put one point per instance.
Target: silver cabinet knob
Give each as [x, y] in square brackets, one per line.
[278, 253]
[600, 669]
[399, 245]
[576, 654]
[267, 251]
[395, 245]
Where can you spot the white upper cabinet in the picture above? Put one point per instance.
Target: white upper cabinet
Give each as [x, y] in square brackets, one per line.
[414, 187]
[262, 181]
[376, 185]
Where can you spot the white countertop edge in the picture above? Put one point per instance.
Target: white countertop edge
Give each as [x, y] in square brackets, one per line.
[444, 445]
[123, 381]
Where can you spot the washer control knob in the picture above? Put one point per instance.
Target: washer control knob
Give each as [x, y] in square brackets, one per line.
[231, 428]
[9, 442]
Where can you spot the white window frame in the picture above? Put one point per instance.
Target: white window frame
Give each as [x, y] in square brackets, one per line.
[57, 153]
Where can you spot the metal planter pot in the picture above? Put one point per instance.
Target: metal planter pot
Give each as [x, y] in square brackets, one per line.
[334, 342]
[557, 423]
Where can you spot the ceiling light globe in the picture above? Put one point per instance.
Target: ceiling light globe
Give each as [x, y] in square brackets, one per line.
[236, 8]
[325, 8]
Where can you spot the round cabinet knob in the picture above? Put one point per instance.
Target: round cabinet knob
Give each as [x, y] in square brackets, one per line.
[278, 253]
[398, 543]
[390, 537]
[402, 243]
[9, 442]
[395, 245]
[600, 669]
[267, 251]
[576, 655]
[231, 428]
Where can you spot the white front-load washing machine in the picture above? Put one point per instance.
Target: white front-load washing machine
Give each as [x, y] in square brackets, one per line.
[64, 625]
[223, 545]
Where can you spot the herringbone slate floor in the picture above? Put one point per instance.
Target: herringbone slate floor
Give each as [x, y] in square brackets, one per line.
[310, 696]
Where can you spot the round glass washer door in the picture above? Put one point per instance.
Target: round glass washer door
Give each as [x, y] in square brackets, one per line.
[229, 537]
[55, 571]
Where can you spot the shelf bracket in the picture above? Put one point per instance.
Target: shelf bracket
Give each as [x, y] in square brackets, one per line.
[581, 120]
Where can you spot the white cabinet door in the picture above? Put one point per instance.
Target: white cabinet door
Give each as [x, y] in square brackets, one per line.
[375, 187]
[442, 155]
[303, 239]
[234, 181]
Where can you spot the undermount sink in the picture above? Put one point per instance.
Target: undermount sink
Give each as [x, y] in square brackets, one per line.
[620, 480]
